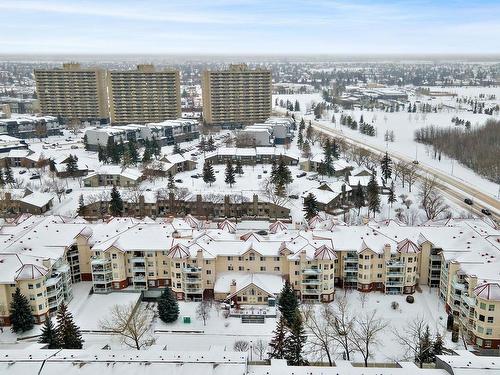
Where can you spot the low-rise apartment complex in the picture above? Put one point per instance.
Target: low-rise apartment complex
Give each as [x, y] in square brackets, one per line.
[247, 262]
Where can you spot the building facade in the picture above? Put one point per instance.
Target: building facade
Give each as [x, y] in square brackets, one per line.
[144, 95]
[73, 93]
[236, 96]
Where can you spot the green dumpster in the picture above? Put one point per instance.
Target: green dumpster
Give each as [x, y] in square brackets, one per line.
[186, 320]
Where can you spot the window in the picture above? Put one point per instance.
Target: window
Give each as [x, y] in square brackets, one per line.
[207, 262]
[241, 268]
[490, 319]
[38, 285]
[489, 331]
[482, 306]
[177, 265]
[276, 259]
[230, 268]
[379, 275]
[40, 307]
[367, 257]
[481, 318]
[276, 268]
[480, 329]
[209, 272]
[360, 256]
[262, 259]
[262, 268]
[151, 273]
[229, 258]
[251, 257]
[380, 265]
[30, 286]
[240, 258]
[410, 260]
[296, 273]
[32, 297]
[113, 256]
[115, 265]
[491, 307]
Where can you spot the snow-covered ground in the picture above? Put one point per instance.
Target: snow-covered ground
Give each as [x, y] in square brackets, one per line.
[224, 332]
[404, 124]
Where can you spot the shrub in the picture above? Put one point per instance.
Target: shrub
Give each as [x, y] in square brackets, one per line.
[410, 299]
[394, 305]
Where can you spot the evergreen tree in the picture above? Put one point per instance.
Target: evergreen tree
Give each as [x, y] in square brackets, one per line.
[86, 142]
[177, 149]
[306, 150]
[2, 181]
[155, 148]
[49, 335]
[300, 139]
[20, 313]
[281, 177]
[373, 195]
[302, 125]
[133, 153]
[116, 203]
[81, 204]
[386, 165]
[310, 206]
[359, 197]
[68, 332]
[168, 308]
[208, 173]
[425, 347]
[392, 196]
[239, 168]
[229, 174]
[437, 346]
[297, 106]
[171, 182]
[52, 165]
[113, 152]
[335, 149]
[146, 156]
[211, 144]
[72, 165]
[288, 304]
[278, 342]
[102, 155]
[202, 145]
[294, 345]
[8, 175]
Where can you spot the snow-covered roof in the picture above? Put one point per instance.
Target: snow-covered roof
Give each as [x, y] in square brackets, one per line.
[489, 291]
[116, 170]
[322, 196]
[37, 199]
[269, 283]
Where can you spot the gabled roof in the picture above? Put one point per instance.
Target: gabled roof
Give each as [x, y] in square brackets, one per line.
[277, 226]
[325, 253]
[227, 226]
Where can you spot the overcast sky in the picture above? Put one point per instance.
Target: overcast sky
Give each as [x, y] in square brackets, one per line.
[249, 26]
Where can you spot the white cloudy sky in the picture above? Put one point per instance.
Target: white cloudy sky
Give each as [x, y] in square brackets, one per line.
[249, 26]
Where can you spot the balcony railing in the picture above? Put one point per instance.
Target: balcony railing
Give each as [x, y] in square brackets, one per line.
[194, 290]
[310, 291]
[311, 281]
[191, 270]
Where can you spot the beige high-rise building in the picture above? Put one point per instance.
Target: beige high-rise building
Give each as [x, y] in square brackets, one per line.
[236, 96]
[73, 92]
[144, 95]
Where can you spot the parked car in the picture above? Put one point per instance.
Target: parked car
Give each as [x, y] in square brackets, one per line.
[303, 174]
[179, 181]
[74, 147]
[195, 176]
[415, 162]
[486, 212]
[23, 171]
[293, 196]
[68, 191]
[468, 201]
[35, 177]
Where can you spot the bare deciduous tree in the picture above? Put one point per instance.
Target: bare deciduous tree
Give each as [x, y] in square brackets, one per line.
[241, 346]
[321, 340]
[131, 323]
[411, 174]
[430, 199]
[341, 322]
[260, 348]
[203, 311]
[411, 337]
[366, 332]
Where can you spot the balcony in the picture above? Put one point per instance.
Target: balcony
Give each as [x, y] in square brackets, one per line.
[395, 273]
[311, 282]
[311, 271]
[139, 269]
[311, 291]
[394, 263]
[192, 270]
[394, 283]
[192, 279]
[193, 290]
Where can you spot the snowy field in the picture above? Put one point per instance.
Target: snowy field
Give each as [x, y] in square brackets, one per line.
[404, 124]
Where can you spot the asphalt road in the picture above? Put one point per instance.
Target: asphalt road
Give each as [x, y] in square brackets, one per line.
[454, 189]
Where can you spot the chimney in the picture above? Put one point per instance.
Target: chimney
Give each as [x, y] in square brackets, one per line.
[232, 287]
